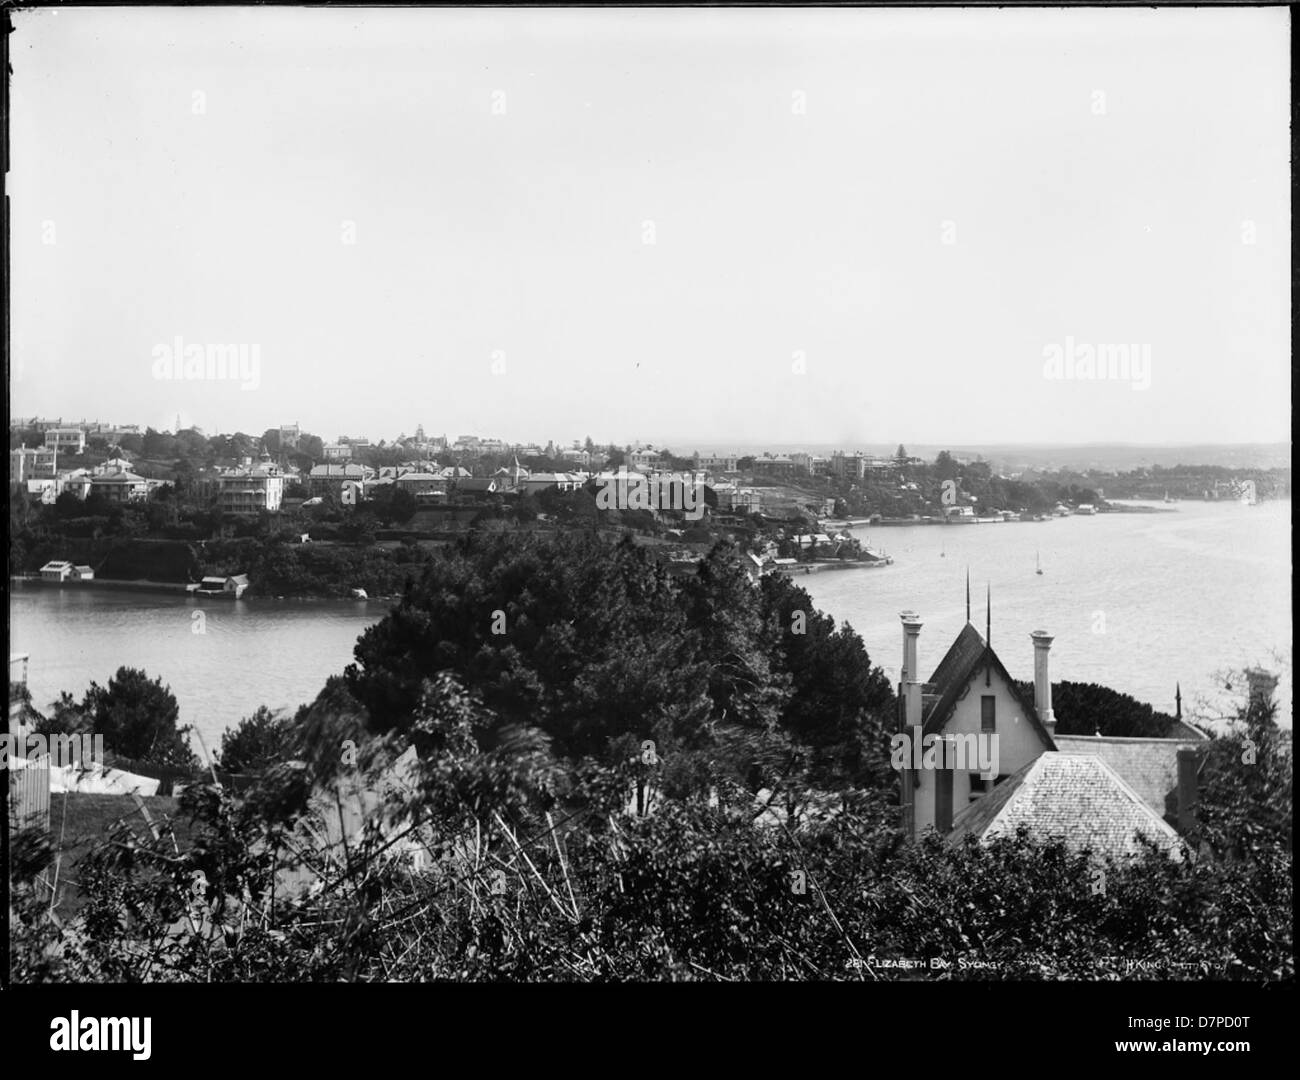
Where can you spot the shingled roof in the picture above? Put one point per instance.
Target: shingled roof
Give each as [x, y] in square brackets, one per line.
[1148, 766]
[1075, 798]
[967, 654]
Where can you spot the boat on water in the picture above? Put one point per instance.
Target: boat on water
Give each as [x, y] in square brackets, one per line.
[1248, 496]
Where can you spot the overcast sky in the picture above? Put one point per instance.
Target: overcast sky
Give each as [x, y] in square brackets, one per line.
[868, 226]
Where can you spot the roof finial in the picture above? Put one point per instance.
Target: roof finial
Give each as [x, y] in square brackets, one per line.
[988, 615]
[968, 594]
[1178, 701]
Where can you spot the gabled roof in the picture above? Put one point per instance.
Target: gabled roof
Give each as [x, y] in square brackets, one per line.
[967, 655]
[1148, 766]
[1071, 797]
[118, 478]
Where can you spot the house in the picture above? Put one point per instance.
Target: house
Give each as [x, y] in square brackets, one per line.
[230, 587]
[717, 463]
[31, 463]
[422, 483]
[112, 465]
[511, 478]
[1100, 793]
[645, 459]
[69, 439]
[969, 693]
[120, 487]
[539, 482]
[326, 478]
[56, 570]
[248, 489]
[78, 483]
[337, 452]
[478, 486]
[46, 490]
[82, 573]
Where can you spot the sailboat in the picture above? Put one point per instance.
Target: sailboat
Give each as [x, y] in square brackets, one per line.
[1039, 558]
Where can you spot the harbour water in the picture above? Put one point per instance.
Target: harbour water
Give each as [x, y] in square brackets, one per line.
[1137, 602]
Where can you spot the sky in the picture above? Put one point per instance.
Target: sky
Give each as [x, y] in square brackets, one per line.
[676, 226]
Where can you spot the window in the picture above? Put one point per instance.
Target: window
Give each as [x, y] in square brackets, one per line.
[988, 714]
[978, 785]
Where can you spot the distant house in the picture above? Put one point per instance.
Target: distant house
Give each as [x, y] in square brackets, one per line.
[338, 452]
[477, 486]
[511, 477]
[326, 478]
[249, 489]
[230, 586]
[421, 483]
[82, 573]
[539, 482]
[27, 463]
[644, 459]
[120, 487]
[78, 484]
[57, 570]
[67, 439]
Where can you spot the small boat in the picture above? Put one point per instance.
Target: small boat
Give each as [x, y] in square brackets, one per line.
[1039, 558]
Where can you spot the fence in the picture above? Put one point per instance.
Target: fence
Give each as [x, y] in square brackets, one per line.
[29, 795]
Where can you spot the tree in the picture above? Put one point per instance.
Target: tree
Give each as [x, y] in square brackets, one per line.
[257, 742]
[137, 717]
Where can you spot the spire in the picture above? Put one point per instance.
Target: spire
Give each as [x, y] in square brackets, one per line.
[988, 635]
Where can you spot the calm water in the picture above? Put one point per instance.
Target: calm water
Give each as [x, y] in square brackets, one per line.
[1137, 602]
[251, 653]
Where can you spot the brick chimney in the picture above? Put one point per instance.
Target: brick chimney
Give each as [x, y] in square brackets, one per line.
[1043, 680]
[1188, 762]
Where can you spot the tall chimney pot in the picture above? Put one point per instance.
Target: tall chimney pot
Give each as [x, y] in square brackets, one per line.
[1043, 680]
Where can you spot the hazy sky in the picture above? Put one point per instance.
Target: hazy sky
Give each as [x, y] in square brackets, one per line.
[867, 225]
